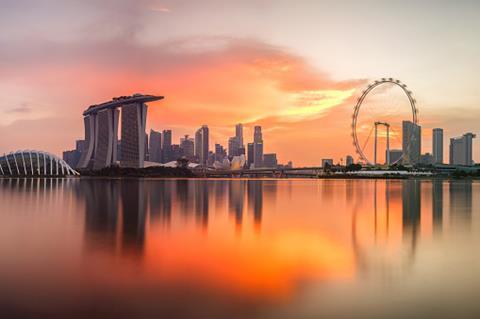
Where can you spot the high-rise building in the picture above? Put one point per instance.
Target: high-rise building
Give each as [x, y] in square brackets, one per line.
[426, 159]
[348, 160]
[461, 149]
[167, 155]
[437, 146]
[239, 134]
[220, 153]
[101, 132]
[233, 146]
[187, 145]
[258, 155]
[175, 152]
[411, 142]
[201, 144]
[155, 146]
[257, 134]
[134, 118]
[198, 144]
[250, 154]
[395, 156]
[327, 161]
[270, 160]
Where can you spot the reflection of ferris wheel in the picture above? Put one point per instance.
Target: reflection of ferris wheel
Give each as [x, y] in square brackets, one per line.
[360, 149]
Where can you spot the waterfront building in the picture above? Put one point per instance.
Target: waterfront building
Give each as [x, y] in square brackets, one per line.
[134, 118]
[167, 155]
[348, 160]
[270, 160]
[461, 150]
[155, 147]
[257, 154]
[437, 146]
[411, 142]
[220, 153]
[187, 145]
[101, 132]
[426, 159]
[239, 135]
[33, 163]
[395, 156]
[327, 161]
[249, 155]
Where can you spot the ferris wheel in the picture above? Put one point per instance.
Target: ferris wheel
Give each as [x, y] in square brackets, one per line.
[409, 112]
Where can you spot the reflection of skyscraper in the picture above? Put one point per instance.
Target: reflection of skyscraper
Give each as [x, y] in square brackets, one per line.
[201, 202]
[160, 198]
[437, 205]
[236, 195]
[255, 200]
[133, 213]
[411, 202]
[460, 195]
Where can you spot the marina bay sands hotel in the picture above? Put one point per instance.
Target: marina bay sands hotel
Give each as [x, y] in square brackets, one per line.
[101, 127]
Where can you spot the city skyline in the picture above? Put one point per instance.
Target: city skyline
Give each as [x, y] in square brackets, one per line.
[298, 82]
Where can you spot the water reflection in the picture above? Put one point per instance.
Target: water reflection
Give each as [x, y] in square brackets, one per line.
[257, 248]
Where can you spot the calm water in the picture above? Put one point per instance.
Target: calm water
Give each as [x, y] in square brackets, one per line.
[94, 248]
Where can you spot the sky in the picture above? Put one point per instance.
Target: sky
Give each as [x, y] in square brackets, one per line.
[294, 67]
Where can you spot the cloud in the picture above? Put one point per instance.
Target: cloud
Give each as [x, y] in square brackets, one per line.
[23, 108]
[217, 81]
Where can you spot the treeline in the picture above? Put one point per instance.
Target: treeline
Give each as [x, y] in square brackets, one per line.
[116, 171]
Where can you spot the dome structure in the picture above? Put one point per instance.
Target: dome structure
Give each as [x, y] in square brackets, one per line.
[33, 163]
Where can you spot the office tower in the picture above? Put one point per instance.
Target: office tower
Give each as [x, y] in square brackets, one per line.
[167, 146]
[155, 146]
[198, 144]
[411, 142]
[437, 146]
[348, 160]
[257, 134]
[175, 152]
[239, 134]
[270, 160]
[395, 156]
[205, 145]
[249, 154]
[327, 161]
[201, 144]
[461, 150]
[233, 146]
[257, 155]
[220, 153]
[187, 145]
[147, 150]
[134, 118]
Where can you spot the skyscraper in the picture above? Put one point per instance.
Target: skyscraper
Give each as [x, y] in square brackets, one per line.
[187, 146]
[134, 118]
[198, 144]
[201, 144]
[167, 146]
[205, 145]
[257, 155]
[239, 134]
[155, 146]
[249, 154]
[461, 149]
[437, 146]
[257, 134]
[233, 146]
[220, 153]
[348, 160]
[411, 142]
[270, 160]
